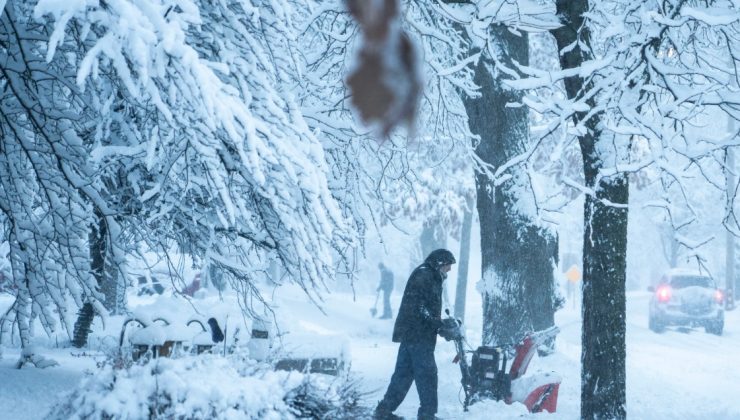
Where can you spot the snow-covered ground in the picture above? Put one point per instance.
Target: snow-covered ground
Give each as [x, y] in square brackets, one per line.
[678, 374]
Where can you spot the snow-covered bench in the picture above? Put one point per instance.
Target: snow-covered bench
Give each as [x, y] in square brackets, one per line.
[160, 338]
[305, 352]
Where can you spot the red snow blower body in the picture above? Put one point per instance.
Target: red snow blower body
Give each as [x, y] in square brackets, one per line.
[487, 377]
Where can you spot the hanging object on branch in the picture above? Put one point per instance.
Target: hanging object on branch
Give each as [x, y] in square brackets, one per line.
[385, 82]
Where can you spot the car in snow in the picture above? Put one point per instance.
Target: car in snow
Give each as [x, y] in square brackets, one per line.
[686, 298]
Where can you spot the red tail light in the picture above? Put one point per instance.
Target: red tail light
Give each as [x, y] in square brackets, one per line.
[663, 293]
[719, 296]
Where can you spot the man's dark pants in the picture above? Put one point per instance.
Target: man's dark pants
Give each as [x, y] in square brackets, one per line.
[415, 363]
[387, 313]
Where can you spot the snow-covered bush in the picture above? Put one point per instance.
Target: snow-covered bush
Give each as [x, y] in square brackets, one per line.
[209, 387]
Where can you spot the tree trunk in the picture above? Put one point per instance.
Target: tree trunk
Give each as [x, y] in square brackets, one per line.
[433, 236]
[106, 274]
[463, 262]
[516, 255]
[730, 236]
[102, 265]
[603, 337]
[540, 259]
[669, 243]
[605, 242]
[82, 325]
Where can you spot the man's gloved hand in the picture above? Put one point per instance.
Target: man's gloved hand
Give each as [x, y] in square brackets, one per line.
[450, 329]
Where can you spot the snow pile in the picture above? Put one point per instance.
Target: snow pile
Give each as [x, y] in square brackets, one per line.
[209, 387]
[30, 354]
[484, 409]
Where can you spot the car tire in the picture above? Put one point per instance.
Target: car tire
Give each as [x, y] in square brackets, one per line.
[656, 325]
[715, 327]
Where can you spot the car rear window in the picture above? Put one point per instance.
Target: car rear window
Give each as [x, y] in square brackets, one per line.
[687, 281]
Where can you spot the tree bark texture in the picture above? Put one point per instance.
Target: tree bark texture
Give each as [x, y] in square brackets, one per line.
[463, 263]
[604, 243]
[82, 326]
[102, 265]
[106, 276]
[516, 255]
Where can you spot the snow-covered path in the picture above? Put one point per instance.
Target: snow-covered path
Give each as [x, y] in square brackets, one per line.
[28, 393]
[675, 375]
[680, 373]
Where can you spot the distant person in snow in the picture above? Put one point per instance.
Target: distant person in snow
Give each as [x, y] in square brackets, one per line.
[386, 285]
[418, 322]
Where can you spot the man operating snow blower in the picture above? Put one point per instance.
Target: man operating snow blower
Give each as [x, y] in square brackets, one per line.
[418, 322]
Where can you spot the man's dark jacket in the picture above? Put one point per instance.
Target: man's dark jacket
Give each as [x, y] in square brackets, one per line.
[386, 280]
[419, 316]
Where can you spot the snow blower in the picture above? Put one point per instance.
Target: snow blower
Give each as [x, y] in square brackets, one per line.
[486, 376]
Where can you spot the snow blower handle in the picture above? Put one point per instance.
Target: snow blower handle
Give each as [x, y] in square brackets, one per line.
[450, 329]
[456, 334]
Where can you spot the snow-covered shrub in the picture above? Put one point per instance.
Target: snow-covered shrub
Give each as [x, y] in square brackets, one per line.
[342, 401]
[209, 387]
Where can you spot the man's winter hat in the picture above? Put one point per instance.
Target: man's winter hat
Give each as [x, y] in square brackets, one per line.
[440, 257]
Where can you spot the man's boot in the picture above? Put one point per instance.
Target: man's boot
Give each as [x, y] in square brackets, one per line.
[382, 413]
